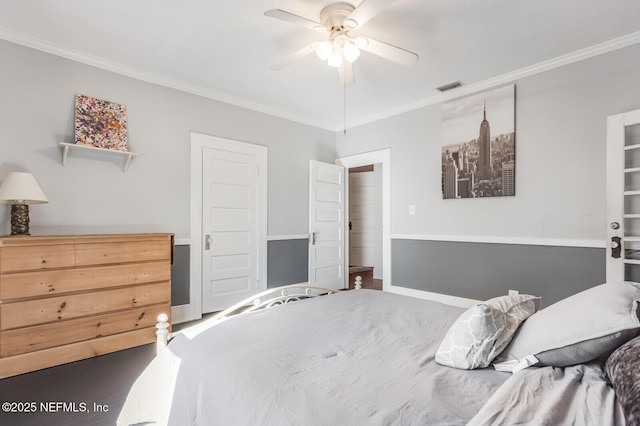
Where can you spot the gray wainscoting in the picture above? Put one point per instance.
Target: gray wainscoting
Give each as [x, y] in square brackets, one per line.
[485, 270]
[470, 270]
[287, 262]
[180, 276]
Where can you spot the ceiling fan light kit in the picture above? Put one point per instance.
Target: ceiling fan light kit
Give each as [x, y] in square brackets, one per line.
[336, 49]
[351, 52]
[341, 50]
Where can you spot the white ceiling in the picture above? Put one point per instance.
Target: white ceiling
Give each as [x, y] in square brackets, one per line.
[223, 49]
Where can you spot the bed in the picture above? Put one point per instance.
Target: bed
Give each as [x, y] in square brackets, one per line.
[366, 357]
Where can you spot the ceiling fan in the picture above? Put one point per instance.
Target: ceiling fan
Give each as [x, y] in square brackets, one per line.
[342, 48]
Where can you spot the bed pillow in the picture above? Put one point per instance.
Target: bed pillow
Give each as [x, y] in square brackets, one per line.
[483, 331]
[623, 370]
[577, 329]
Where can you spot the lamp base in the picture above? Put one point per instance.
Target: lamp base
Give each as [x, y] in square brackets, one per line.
[19, 219]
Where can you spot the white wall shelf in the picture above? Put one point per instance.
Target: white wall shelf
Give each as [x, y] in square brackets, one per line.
[66, 146]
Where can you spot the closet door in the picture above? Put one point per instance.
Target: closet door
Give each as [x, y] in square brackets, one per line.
[623, 197]
[234, 213]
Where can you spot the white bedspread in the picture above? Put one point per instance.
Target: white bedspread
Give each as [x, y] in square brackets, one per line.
[578, 395]
[357, 357]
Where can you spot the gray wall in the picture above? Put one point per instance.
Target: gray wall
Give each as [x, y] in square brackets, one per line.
[287, 262]
[180, 276]
[91, 194]
[560, 175]
[482, 271]
[560, 145]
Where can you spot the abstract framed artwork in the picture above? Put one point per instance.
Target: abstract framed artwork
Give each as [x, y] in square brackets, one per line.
[478, 145]
[101, 124]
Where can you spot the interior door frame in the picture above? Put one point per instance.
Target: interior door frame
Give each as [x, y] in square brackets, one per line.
[200, 141]
[616, 141]
[383, 157]
[366, 197]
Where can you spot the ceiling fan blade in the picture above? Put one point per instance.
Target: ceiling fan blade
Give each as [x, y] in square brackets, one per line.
[387, 51]
[298, 54]
[367, 10]
[295, 19]
[345, 72]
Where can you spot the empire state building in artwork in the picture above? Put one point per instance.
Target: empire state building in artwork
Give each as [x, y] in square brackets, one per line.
[485, 170]
[477, 163]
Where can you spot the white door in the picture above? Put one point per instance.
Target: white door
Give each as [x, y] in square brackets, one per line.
[623, 197]
[233, 223]
[326, 225]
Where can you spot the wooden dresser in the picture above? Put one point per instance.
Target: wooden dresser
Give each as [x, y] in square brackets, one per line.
[66, 298]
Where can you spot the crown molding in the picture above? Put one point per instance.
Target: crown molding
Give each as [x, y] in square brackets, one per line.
[510, 77]
[470, 89]
[117, 68]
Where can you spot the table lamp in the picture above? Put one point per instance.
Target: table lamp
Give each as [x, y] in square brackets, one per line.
[21, 189]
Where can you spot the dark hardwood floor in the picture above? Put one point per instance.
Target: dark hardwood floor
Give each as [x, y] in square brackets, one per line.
[100, 383]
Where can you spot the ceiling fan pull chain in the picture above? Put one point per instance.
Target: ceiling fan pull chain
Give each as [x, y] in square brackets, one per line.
[344, 86]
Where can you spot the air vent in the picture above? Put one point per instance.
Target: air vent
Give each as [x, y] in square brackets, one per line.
[450, 86]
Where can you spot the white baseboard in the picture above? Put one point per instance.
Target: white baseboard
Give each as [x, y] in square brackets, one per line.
[180, 314]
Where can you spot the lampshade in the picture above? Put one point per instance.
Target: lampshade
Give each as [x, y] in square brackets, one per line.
[21, 188]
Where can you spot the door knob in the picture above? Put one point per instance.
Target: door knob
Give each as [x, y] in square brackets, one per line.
[614, 225]
[616, 247]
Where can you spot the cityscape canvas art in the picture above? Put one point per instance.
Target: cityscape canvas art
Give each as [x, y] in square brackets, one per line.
[101, 124]
[478, 145]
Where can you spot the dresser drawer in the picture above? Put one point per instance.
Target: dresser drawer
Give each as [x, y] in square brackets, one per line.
[121, 252]
[38, 337]
[34, 257]
[13, 365]
[51, 283]
[42, 254]
[56, 309]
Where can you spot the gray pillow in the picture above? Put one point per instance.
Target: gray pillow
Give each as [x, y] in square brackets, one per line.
[623, 369]
[483, 331]
[577, 329]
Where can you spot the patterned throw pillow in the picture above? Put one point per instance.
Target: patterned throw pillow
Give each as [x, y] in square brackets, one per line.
[484, 330]
[623, 369]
